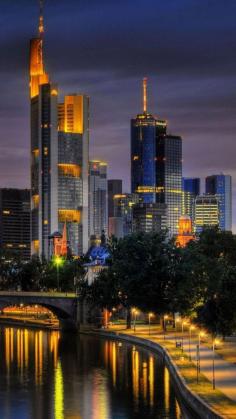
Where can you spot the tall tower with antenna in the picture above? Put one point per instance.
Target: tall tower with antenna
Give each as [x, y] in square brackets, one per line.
[44, 148]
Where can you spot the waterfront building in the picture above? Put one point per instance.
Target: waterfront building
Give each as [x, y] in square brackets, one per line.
[98, 198]
[44, 150]
[149, 217]
[169, 178]
[190, 190]
[73, 150]
[185, 231]
[15, 221]
[206, 212]
[221, 185]
[114, 188]
[144, 130]
[123, 208]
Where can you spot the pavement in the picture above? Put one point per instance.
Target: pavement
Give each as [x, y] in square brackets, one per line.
[225, 372]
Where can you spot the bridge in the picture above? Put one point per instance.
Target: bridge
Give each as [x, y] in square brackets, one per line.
[65, 306]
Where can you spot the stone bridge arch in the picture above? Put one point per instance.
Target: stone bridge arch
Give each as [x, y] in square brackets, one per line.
[65, 307]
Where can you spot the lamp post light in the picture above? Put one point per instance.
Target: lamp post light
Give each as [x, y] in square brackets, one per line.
[200, 335]
[189, 342]
[183, 324]
[214, 343]
[135, 312]
[58, 262]
[150, 315]
[164, 325]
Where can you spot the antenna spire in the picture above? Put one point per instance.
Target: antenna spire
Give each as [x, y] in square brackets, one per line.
[41, 25]
[145, 95]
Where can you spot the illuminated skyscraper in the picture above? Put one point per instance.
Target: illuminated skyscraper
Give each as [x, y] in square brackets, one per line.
[190, 190]
[44, 150]
[98, 198]
[123, 208]
[221, 186]
[114, 188]
[144, 130]
[156, 164]
[206, 212]
[73, 148]
[148, 217]
[169, 178]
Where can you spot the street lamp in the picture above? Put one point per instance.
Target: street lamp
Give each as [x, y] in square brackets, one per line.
[58, 262]
[189, 342]
[150, 315]
[214, 343]
[135, 312]
[201, 334]
[183, 324]
[165, 318]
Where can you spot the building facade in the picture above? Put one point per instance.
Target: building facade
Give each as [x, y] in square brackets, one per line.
[114, 188]
[206, 212]
[15, 221]
[221, 186]
[98, 198]
[123, 208]
[73, 149]
[169, 178]
[149, 217]
[190, 190]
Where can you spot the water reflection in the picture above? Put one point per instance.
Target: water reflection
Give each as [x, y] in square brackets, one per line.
[46, 375]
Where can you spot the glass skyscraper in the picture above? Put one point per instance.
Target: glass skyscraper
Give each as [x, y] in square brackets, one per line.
[169, 178]
[156, 164]
[190, 190]
[206, 212]
[73, 143]
[221, 186]
[98, 198]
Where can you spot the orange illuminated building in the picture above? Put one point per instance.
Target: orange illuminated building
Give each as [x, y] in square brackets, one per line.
[185, 231]
[60, 247]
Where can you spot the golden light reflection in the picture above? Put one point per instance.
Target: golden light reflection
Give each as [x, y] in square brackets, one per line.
[59, 393]
[26, 344]
[7, 349]
[135, 369]
[151, 380]
[114, 363]
[166, 388]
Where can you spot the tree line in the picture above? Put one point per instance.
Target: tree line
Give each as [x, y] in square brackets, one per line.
[148, 271]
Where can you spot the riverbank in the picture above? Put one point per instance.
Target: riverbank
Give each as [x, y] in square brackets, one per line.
[200, 397]
[28, 323]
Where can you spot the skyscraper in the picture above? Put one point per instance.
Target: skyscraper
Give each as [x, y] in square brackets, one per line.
[123, 208]
[156, 164]
[190, 190]
[98, 198]
[169, 178]
[44, 150]
[73, 148]
[206, 212]
[15, 221]
[114, 188]
[144, 130]
[221, 186]
[148, 217]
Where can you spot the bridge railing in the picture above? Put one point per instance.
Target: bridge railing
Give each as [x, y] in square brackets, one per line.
[37, 294]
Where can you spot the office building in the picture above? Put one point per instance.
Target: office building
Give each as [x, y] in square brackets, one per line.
[185, 231]
[169, 178]
[206, 212]
[114, 188]
[44, 150]
[98, 199]
[221, 185]
[115, 227]
[144, 130]
[123, 206]
[15, 221]
[73, 149]
[149, 217]
[190, 190]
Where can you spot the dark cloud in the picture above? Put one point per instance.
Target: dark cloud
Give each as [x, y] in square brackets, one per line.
[104, 48]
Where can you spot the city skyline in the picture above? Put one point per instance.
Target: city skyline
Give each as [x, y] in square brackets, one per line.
[200, 107]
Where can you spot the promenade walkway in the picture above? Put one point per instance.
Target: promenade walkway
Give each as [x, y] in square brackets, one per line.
[225, 372]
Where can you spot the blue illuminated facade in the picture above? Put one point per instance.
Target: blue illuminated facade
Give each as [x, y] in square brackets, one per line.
[190, 190]
[221, 186]
[144, 131]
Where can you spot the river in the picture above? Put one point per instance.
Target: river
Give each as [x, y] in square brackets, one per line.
[45, 375]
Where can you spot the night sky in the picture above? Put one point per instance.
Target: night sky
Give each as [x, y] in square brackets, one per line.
[103, 48]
